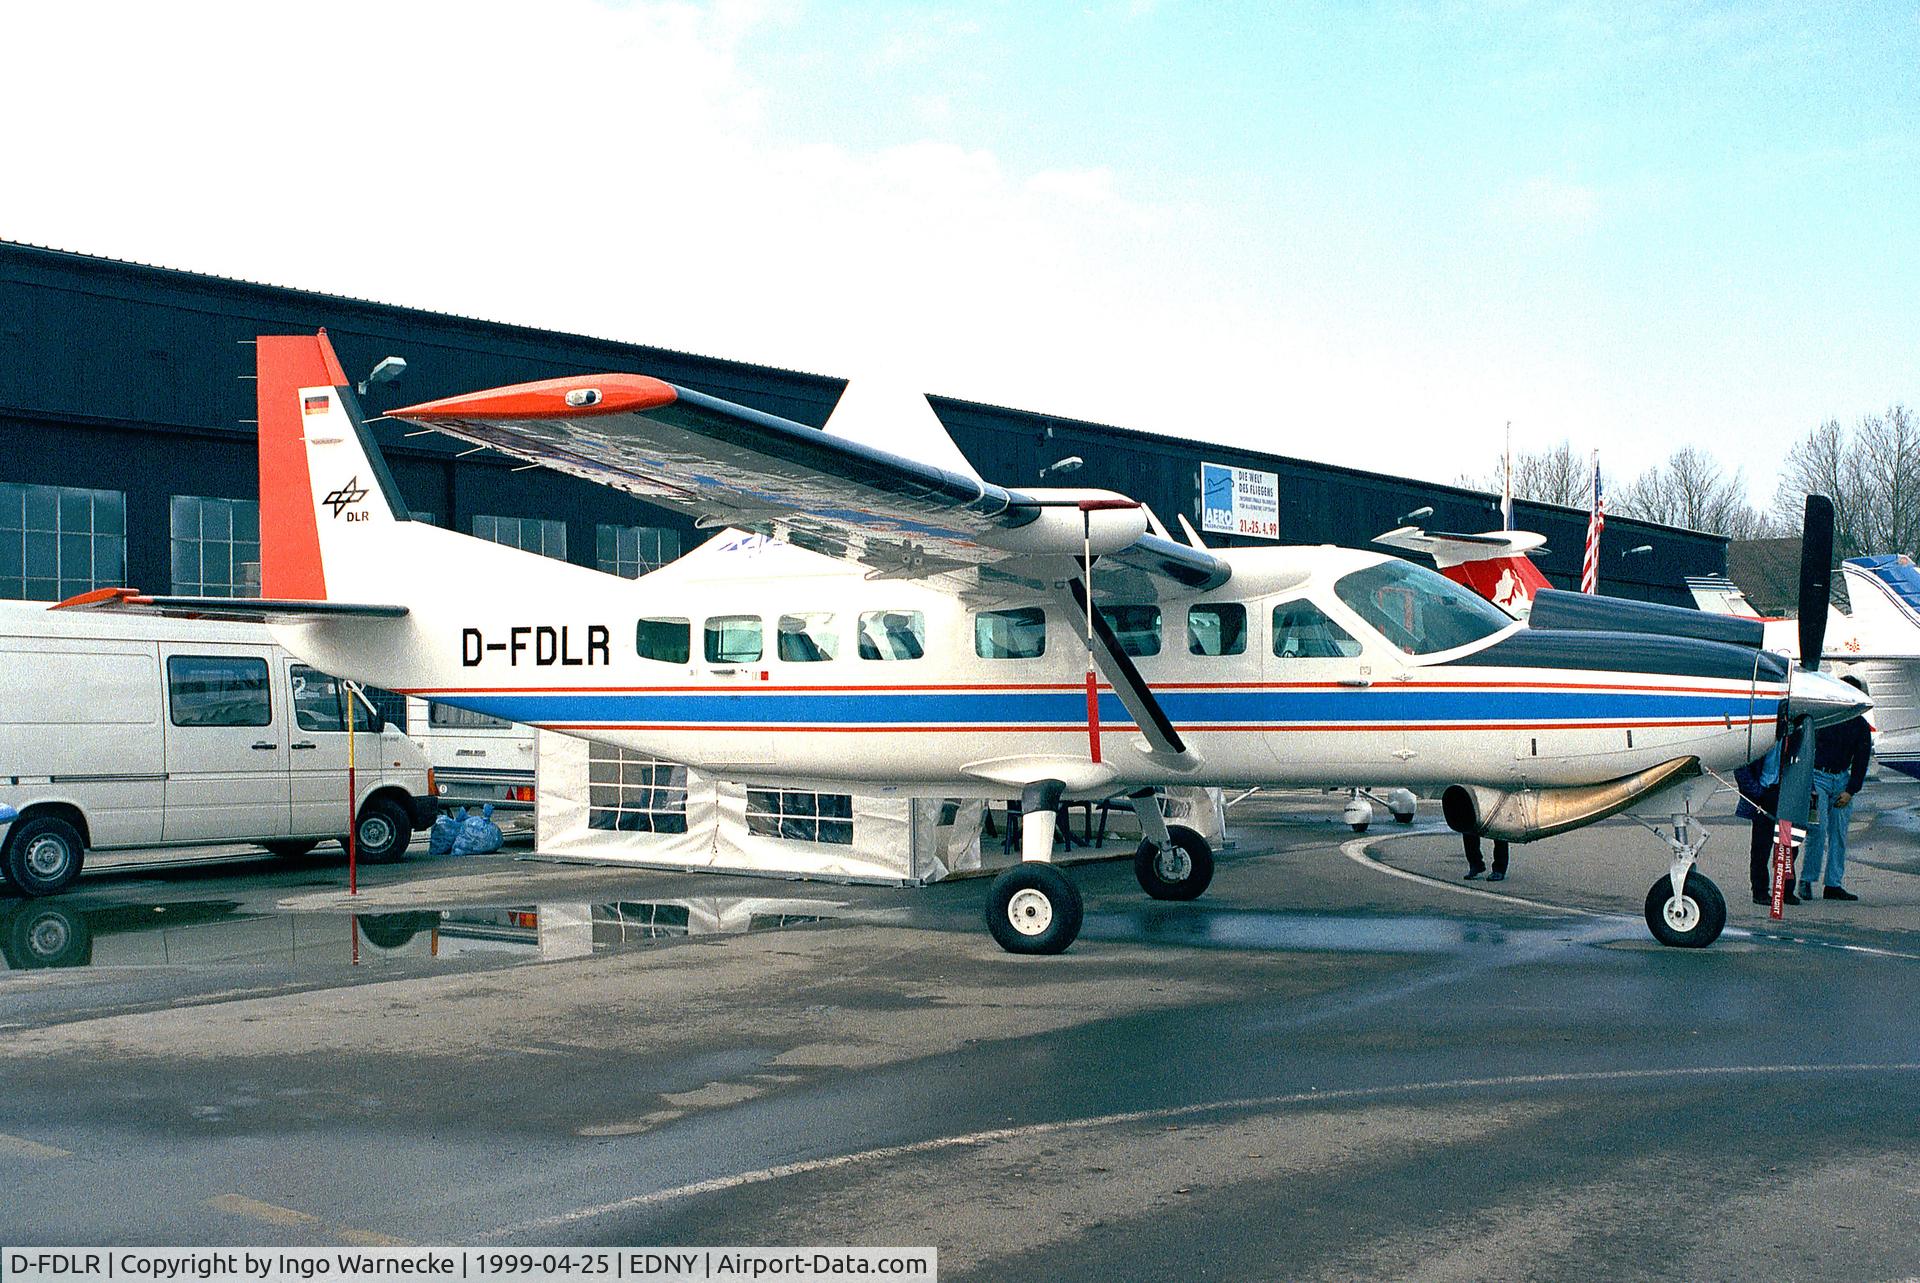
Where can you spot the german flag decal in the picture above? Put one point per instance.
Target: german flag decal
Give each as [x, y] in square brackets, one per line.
[314, 404]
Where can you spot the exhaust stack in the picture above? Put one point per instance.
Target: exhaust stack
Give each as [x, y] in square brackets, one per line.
[1524, 815]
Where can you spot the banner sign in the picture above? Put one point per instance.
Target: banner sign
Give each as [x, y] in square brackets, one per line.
[1239, 501]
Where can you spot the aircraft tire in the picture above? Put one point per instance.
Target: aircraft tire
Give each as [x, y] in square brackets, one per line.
[1033, 908]
[1184, 874]
[384, 832]
[1692, 920]
[43, 856]
[1400, 818]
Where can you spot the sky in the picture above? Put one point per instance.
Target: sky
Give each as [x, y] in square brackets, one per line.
[1366, 234]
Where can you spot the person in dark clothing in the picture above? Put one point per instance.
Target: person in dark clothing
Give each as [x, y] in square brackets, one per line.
[1840, 757]
[1477, 866]
[1759, 798]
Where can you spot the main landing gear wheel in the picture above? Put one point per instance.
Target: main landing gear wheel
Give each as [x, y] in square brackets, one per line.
[1181, 871]
[1690, 920]
[1033, 909]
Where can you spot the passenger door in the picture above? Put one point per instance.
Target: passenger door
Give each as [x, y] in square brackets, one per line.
[226, 750]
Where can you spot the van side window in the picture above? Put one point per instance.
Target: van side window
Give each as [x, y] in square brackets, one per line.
[1217, 628]
[807, 639]
[316, 702]
[1010, 634]
[1301, 630]
[733, 639]
[218, 690]
[447, 717]
[668, 640]
[893, 634]
[1136, 627]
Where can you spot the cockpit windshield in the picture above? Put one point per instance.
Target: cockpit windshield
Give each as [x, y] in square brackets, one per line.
[1417, 610]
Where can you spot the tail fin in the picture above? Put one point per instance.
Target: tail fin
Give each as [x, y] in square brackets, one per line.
[325, 493]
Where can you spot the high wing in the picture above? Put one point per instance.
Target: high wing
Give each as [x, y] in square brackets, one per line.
[245, 610]
[728, 465]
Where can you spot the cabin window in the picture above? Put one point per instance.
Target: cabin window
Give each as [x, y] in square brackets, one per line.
[670, 641]
[1418, 610]
[317, 699]
[893, 634]
[808, 639]
[733, 639]
[1217, 628]
[1010, 634]
[796, 815]
[1136, 627]
[629, 792]
[1301, 630]
[218, 690]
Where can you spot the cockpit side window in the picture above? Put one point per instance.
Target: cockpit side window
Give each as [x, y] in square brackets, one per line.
[1301, 630]
[1418, 610]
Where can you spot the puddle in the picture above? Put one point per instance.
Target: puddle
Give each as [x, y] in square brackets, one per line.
[1316, 932]
[38, 934]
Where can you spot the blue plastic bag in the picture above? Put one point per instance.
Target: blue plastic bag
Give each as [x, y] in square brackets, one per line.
[441, 837]
[478, 834]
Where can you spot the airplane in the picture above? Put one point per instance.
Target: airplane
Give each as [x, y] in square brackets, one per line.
[930, 634]
[1878, 642]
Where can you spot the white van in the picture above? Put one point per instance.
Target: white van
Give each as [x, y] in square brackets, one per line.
[135, 731]
[475, 758]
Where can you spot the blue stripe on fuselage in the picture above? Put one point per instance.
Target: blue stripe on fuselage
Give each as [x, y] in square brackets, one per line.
[1069, 709]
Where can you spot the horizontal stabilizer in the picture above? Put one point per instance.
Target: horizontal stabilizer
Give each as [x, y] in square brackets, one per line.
[236, 609]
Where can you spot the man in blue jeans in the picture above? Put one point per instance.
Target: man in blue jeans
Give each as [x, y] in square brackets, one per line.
[1840, 756]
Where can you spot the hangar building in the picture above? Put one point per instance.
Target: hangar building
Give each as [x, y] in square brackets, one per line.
[127, 443]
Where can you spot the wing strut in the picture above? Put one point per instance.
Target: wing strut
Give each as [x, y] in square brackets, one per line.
[1134, 693]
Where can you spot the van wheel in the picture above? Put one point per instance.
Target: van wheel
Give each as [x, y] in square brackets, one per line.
[383, 832]
[43, 855]
[46, 935]
[290, 850]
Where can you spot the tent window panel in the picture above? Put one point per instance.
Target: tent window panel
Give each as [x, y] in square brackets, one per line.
[808, 639]
[797, 815]
[1217, 629]
[629, 792]
[1010, 634]
[1136, 627]
[893, 634]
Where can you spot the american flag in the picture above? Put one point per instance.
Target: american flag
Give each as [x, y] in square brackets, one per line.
[1596, 522]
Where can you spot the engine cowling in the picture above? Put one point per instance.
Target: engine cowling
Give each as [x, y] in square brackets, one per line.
[1526, 815]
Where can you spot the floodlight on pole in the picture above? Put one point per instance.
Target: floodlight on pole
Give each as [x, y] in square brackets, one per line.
[1418, 514]
[1069, 464]
[1635, 552]
[389, 369]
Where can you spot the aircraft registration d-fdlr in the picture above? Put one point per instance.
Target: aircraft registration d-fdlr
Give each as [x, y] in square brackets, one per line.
[881, 623]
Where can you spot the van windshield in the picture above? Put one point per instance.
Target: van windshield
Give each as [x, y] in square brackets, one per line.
[1418, 610]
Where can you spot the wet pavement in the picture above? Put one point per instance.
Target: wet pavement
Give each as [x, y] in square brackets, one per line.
[1341, 1063]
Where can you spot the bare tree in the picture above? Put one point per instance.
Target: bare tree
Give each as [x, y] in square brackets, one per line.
[1692, 490]
[1557, 475]
[1872, 473]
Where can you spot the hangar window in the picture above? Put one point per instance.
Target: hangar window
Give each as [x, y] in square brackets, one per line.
[670, 641]
[1010, 634]
[808, 639]
[1418, 610]
[1217, 628]
[218, 690]
[56, 541]
[629, 792]
[733, 639]
[893, 634]
[531, 534]
[1136, 627]
[216, 546]
[800, 816]
[1301, 630]
[631, 551]
[447, 717]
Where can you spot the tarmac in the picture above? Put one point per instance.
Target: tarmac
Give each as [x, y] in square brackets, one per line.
[1344, 1062]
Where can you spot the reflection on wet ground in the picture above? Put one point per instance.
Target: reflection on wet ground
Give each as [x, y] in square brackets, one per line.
[1322, 932]
[38, 934]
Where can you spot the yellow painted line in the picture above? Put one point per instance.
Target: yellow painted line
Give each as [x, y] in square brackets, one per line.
[21, 1147]
[274, 1214]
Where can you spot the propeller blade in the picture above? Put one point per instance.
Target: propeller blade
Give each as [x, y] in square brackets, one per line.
[1816, 577]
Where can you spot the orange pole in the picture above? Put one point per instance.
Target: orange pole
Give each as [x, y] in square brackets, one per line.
[353, 863]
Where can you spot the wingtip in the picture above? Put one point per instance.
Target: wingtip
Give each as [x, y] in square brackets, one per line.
[98, 597]
[568, 398]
